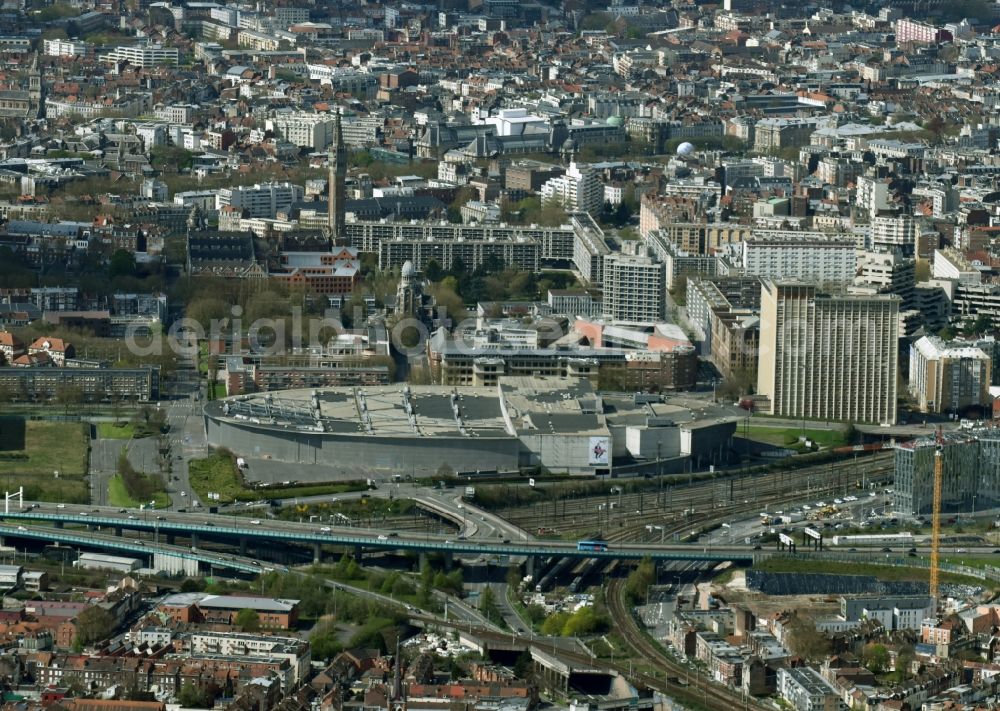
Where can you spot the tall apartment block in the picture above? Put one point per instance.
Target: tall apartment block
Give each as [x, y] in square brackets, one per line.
[949, 377]
[828, 356]
[634, 288]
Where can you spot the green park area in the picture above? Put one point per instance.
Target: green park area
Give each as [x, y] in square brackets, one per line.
[218, 474]
[917, 573]
[789, 436]
[31, 452]
[118, 495]
[115, 430]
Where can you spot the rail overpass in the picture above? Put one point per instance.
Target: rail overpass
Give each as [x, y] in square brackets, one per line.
[240, 532]
[90, 539]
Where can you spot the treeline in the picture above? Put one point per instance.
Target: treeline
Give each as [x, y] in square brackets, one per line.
[140, 487]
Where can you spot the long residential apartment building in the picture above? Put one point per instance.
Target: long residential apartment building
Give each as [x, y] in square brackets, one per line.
[679, 263]
[305, 130]
[260, 200]
[580, 244]
[809, 256]
[461, 363]
[92, 384]
[520, 253]
[828, 356]
[144, 55]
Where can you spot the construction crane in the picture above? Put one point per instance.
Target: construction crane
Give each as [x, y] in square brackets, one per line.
[936, 519]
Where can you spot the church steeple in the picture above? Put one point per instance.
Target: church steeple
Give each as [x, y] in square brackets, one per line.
[336, 181]
[35, 87]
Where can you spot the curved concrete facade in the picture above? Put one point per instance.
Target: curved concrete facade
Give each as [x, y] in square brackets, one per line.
[417, 455]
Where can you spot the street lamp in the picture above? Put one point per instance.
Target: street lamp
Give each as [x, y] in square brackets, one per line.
[618, 490]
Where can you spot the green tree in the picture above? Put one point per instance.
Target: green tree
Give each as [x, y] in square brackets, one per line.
[324, 642]
[584, 621]
[194, 697]
[94, 624]
[536, 614]
[554, 623]
[522, 665]
[875, 657]
[122, 264]
[805, 640]
[433, 270]
[638, 581]
[248, 620]
[488, 605]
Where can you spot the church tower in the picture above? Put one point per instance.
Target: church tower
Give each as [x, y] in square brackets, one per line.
[35, 96]
[397, 696]
[409, 294]
[337, 159]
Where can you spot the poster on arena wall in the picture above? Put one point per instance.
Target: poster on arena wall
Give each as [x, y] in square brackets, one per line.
[600, 451]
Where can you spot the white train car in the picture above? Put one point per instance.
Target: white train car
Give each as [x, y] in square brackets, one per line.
[877, 539]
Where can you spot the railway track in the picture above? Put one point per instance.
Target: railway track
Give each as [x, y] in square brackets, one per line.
[696, 502]
[706, 695]
[711, 694]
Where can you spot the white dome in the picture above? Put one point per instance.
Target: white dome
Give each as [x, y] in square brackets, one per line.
[685, 149]
[408, 270]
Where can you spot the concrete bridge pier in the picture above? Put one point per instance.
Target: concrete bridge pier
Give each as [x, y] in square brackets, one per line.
[58, 524]
[243, 545]
[529, 566]
[194, 540]
[449, 560]
[170, 539]
[317, 553]
[359, 554]
[421, 560]
[118, 531]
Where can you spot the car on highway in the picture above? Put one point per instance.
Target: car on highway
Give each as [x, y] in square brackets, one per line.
[887, 550]
[21, 528]
[383, 537]
[758, 547]
[122, 511]
[255, 522]
[838, 501]
[184, 493]
[131, 518]
[325, 529]
[961, 550]
[60, 506]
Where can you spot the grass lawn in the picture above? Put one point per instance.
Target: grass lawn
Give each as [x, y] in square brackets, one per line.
[218, 474]
[218, 391]
[111, 430]
[31, 452]
[117, 496]
[789, 436]
[882, 572]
